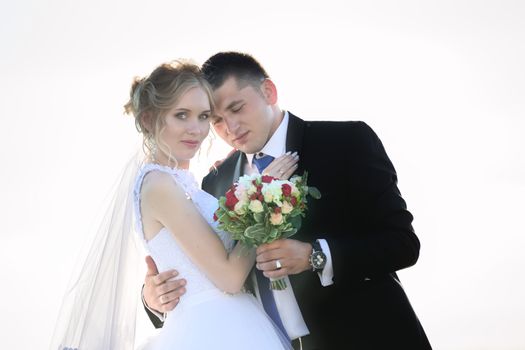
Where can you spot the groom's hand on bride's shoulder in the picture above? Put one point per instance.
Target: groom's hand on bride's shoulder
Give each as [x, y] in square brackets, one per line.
[161, 290]
[219, 162]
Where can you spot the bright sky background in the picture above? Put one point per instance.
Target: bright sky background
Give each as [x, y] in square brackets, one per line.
[441, 82]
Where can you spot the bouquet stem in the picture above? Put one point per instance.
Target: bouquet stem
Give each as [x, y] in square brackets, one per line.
[277, 284]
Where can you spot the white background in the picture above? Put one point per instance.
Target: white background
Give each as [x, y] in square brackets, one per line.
[441, 82]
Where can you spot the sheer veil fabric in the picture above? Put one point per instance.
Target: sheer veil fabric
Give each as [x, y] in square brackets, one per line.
[99, 307]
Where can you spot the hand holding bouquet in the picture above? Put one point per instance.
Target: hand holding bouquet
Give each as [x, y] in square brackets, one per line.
[261, 209]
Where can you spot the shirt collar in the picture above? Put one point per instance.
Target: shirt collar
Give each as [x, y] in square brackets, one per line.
[276, 145]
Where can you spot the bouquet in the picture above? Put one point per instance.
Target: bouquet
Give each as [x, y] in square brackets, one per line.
[261, 209]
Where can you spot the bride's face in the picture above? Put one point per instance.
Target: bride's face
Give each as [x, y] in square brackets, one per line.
[187, 124]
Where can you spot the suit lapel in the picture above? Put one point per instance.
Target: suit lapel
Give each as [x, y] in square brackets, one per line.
[226, 175]
[294, 137]
[239, 167]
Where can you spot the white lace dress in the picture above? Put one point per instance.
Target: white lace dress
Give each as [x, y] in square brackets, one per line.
[205, 318]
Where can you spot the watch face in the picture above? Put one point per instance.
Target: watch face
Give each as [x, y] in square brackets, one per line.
[318, 260]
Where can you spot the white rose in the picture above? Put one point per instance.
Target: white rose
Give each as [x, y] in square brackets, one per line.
[241, 194]
[240, 207]
[273, 192]
[286, 208]
[276, 218]
[246, 181]
[256, 206]
[268, 196]
[251, 190]
[295, 190]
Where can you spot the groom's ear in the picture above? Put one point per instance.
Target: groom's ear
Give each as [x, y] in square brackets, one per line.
[269, 91]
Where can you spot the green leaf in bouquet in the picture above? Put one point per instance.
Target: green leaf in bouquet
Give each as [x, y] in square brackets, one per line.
[224, 218]
[257, 232]
[236, 229]
[222, 204]
[296, 222]
[314, 192]
[289, 233]
[295, 212]
[259, 217]
[274, 234]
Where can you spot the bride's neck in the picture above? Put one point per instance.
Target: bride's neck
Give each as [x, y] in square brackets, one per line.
[172, 163]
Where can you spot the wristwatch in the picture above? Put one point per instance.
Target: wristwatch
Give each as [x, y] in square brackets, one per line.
[317, 258]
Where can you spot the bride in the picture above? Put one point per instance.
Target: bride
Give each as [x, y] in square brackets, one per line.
[174, 223]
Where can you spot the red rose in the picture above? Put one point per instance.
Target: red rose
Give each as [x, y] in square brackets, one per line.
[287, 190]
[293, 201]
[267, 179]
[231, 200]
[215, 218]
[277, 210]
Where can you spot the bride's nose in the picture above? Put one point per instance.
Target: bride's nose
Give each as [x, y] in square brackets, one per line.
[193, 128]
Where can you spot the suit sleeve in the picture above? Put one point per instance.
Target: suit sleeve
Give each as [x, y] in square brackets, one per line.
[157, 321]
[381, 238]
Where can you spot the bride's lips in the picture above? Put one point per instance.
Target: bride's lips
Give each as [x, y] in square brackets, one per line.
[191, 143]
[242, 138]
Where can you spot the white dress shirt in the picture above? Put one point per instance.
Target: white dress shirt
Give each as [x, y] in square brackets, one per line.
[285, 299]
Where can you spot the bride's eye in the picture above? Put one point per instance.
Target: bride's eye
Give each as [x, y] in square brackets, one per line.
[181, 115]
[204, 116]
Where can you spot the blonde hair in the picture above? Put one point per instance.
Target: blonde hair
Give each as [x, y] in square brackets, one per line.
[153, 96]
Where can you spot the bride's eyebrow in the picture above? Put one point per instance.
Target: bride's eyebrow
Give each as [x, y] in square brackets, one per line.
[189, 110]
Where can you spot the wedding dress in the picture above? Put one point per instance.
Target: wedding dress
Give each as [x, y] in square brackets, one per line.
[205, 317]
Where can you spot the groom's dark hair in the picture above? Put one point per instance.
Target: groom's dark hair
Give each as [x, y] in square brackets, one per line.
[242, 66]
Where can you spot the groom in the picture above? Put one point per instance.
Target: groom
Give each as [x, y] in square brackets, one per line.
[342, 264]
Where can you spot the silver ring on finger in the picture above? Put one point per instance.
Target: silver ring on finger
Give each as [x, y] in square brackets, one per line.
[278, 264]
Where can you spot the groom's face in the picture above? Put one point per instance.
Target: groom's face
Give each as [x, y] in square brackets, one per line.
[243, 116]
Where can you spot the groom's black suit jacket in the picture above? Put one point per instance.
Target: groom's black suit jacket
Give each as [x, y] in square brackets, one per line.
[368, 228]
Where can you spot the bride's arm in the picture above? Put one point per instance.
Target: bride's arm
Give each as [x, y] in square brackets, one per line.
[167, 203]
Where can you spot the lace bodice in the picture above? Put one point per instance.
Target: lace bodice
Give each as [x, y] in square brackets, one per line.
[163, 247]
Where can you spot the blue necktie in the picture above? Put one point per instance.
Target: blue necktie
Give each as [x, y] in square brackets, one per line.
[262, 162]
[263, 282]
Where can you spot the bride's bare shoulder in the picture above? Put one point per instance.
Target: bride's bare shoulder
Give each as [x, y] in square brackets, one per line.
[159, 184]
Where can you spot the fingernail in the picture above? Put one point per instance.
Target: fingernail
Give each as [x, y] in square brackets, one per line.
[288, 153]
[294, 154]
[174, 273]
